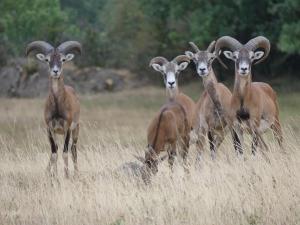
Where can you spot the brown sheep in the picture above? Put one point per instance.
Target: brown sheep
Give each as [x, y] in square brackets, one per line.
[253, 103]
[62, 107]
[173, 122]
[212, 108]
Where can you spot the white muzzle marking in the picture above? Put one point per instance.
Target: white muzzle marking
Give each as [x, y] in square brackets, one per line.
[202, 69]
[171, 81]
[244, 68]
[55, 71]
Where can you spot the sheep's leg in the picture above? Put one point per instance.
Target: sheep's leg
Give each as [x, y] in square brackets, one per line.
[200, 143]
[276, 128]
[262, 141]
[258, 139]
[257, 135]
[220, 135]
[172, 154]
[54, 147]
[151, 160]
[65, 152]
[184, 152]
[254, 142]
[75, 133]
[212, 144]
[215, 139]
[237, 136]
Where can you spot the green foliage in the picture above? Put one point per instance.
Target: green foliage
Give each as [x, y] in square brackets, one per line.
[127, 33]
[24, 21]
[289, 36]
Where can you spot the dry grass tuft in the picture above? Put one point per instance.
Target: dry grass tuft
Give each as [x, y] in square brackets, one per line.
[229, 190]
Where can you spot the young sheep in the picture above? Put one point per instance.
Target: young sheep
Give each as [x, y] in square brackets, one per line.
[253, 103]
[211, 112]
[62, 105]
[173, 122]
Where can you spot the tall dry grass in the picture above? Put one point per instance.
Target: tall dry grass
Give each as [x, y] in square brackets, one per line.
[229, 190]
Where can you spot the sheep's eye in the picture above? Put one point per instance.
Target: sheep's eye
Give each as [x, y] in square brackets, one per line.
[63, 60]
[47, 60]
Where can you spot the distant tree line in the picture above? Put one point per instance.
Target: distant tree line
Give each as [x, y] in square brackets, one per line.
[127, 33]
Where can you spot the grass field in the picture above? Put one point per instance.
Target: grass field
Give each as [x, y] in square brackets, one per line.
[230, 190]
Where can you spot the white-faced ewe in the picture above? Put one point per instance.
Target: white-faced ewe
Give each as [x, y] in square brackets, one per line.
[212, 108]
[173, 122]
[62, 105]
[253, 103]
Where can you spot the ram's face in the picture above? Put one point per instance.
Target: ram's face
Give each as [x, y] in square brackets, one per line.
[170, 72]
[243, 59]
[203, 61]
[55, 60]
[151, 163]
[170, 75]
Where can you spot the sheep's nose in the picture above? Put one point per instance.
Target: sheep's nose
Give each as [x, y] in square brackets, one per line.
[202, 69]
[171, 83]
[244, 69]
[55, 71]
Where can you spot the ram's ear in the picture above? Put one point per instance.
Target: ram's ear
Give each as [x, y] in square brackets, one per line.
[258, 55]
[41, 57]
[228, 55]
[69, 57]
[189, 54]
[157, 67]
[182, 66]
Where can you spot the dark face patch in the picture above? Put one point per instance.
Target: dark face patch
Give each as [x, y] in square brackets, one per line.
[55, 60]
[243, 62]
[244, 56]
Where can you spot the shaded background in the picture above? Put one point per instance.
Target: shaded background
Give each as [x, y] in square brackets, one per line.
[128, 33]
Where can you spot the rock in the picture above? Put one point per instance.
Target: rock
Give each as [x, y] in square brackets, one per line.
[29, 78]
[135, 171]
[131, 169]
[9, 80]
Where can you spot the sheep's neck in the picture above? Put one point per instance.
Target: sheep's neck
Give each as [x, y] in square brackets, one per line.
[172, 93]
[57, 88]
[209, 79]
[209, 83]
[241, 88]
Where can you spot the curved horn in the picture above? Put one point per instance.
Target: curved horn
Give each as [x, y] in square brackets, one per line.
[211, 46]
[39, 47]
[158, 60]
[181, 58]
[228, 42]
[194, 46]
[70, 46]
[259, 42]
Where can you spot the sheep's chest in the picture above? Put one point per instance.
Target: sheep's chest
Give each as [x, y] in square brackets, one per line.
[242, 114]
[58, 125]
[58, 122]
